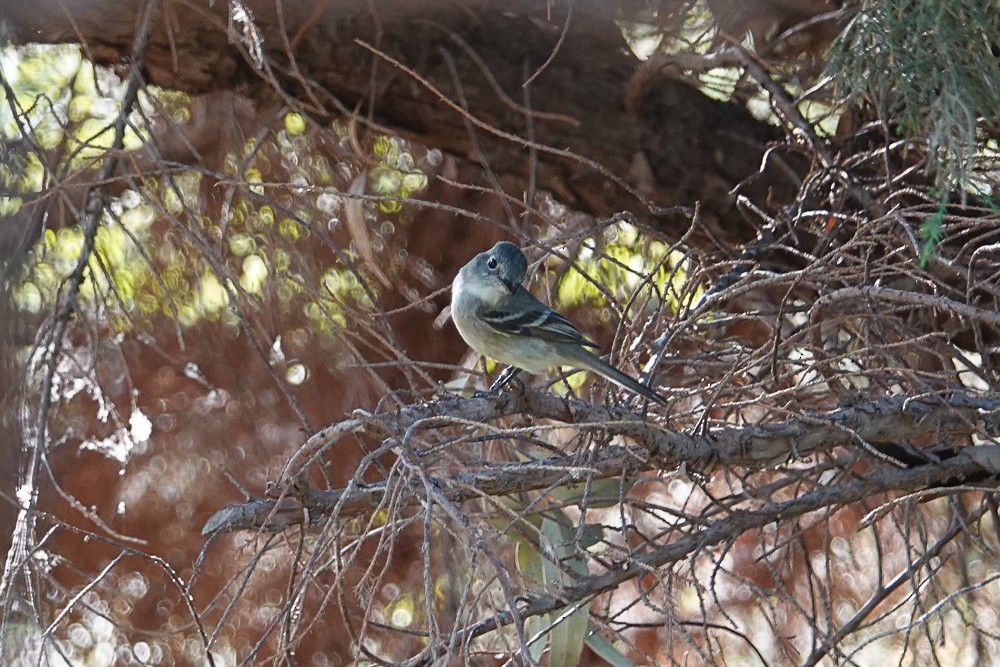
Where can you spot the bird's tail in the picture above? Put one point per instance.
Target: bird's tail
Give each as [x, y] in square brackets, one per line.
[603, 368]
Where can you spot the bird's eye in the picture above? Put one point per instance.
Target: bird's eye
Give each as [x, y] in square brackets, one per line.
[492, 263]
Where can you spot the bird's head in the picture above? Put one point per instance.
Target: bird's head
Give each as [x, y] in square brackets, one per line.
[496, 273]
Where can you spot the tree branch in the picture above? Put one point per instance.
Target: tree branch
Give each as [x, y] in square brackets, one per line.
[655, 447]
[736, 523]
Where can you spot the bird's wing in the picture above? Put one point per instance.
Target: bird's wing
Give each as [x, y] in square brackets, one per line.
[529, 317]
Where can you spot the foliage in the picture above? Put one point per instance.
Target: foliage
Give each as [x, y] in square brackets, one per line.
[930, 68]
[260, 321]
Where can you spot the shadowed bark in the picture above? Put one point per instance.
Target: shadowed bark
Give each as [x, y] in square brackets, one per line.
[672, 147]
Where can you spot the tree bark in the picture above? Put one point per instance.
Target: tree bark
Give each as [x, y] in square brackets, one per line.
[451, 76]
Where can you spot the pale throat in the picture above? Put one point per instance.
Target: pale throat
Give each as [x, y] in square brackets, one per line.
[490, 292]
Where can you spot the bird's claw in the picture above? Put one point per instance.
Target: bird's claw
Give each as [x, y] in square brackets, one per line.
[509, 374]
[486, 393]
[508, 380]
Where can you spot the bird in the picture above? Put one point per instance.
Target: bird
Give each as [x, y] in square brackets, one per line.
[500, 319]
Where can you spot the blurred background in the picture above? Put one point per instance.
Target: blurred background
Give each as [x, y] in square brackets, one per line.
[225, 226]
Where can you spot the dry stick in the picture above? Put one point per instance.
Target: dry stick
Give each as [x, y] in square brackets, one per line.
[230, 284]
[87, 513]
[332, 523]
[94, 204]
[531, 190]
[484, 69]
[555, 49]
[72, 602]
[782, 100]
[891, 419]
[903, 297]
[289, 47]
[470, 130]
[935, 609]
[387, 330]
[726, 530]
[884, 591]
[174, 578]
[646, 201]
[432, 492]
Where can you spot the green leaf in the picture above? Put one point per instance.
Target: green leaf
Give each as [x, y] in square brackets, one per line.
[602, 492]
[529, 564]
[931, 233]
[569, 632]
[606, 650]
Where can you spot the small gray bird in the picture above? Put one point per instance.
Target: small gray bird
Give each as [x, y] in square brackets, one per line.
[498, 318]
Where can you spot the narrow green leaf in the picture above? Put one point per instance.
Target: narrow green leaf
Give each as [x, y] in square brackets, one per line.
[606, 650]
[529, 564]
[602, 492]
[569, 632]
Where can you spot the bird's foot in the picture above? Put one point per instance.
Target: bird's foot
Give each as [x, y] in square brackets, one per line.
[485, 393]
[509, 374]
